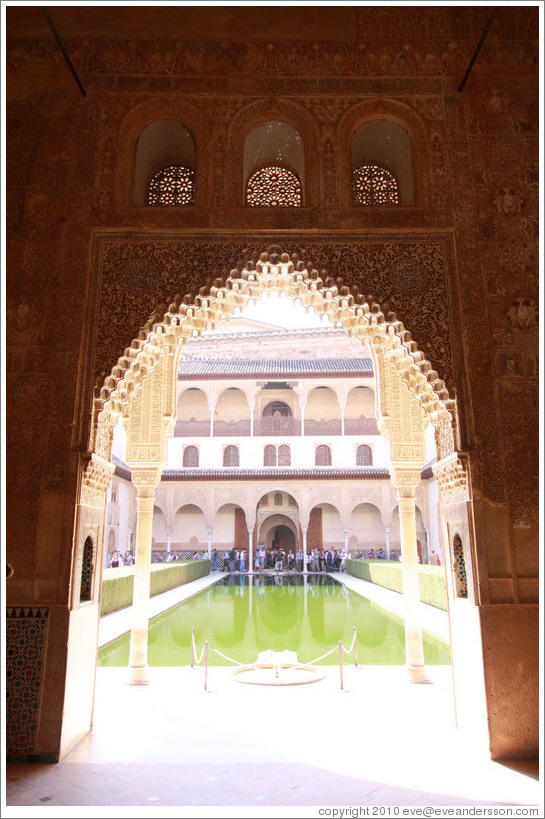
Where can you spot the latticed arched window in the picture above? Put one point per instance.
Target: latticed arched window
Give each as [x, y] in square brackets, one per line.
[284, 456]
[230, 456]
[274, 187]
[172, 186]
[86, 571]
[364, 456]
[269, 457]
[191, 456]
[323, 456]
[278, 498]
[373, 185]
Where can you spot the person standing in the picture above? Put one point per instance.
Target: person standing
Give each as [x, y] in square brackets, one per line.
[232, 558]
[242, 564]
[115, 560]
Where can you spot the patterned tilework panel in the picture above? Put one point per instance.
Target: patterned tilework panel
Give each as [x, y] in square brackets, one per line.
[26, 634]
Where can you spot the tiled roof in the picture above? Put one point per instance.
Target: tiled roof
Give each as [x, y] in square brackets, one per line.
[284, 473]
[121, 468]
[293, 367]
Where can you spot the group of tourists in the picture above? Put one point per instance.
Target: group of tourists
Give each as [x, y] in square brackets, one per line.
[280, 560]
[119, 559]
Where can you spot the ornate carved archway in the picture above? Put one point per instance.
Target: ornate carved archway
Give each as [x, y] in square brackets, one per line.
[410, 396]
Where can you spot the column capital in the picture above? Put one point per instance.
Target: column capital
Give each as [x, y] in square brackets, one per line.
[145, 480]
[405, 478]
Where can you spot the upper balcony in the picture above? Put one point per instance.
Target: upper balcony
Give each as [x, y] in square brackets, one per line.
[275, 426]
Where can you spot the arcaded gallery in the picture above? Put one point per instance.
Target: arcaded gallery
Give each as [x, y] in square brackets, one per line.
[272, 400]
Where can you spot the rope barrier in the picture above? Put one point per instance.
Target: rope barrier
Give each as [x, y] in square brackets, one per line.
[208, 647]
[349, 650]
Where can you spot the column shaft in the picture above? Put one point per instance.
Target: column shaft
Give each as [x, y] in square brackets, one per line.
[138, 658]
[250, 551]
[414, 647]
[304, 551]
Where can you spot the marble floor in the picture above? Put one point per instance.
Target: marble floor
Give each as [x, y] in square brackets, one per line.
[381, 741]
[173, 748]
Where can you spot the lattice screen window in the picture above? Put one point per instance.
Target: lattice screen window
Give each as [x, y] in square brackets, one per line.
[364, 456]
[230, 456]
[172, 186]
[86, 571]
[278, 499]
[323, 456]
[191, 456]
[373, 185]
[459, 567]
[269, 458]
[274, 187]
[284, 456]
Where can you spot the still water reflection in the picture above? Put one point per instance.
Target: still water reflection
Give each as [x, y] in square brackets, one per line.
[241, 616]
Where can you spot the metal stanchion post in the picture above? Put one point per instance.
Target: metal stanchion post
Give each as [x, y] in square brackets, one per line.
[341, 662]
[192, 645]
[355, 647]
[206, 665]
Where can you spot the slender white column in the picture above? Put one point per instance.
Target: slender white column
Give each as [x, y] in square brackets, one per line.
[342, 421]
[346, 539]
[406, 482]
[212, 410]
[210, 544]
[302, 405]
[387, 531]
[428, 541]
[138, 656]
[169, 535]
[250, 550]
[304, 531]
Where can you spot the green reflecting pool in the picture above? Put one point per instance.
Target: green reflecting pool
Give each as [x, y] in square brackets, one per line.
[241, 616]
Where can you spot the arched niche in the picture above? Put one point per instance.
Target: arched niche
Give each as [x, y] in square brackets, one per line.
[192, 403]
[189, 527]
[161, 144]
[332, 535]
[273, 144]
[382, 143]
[367, 527]
[360, 401]
[232, 405]
[323, 412]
